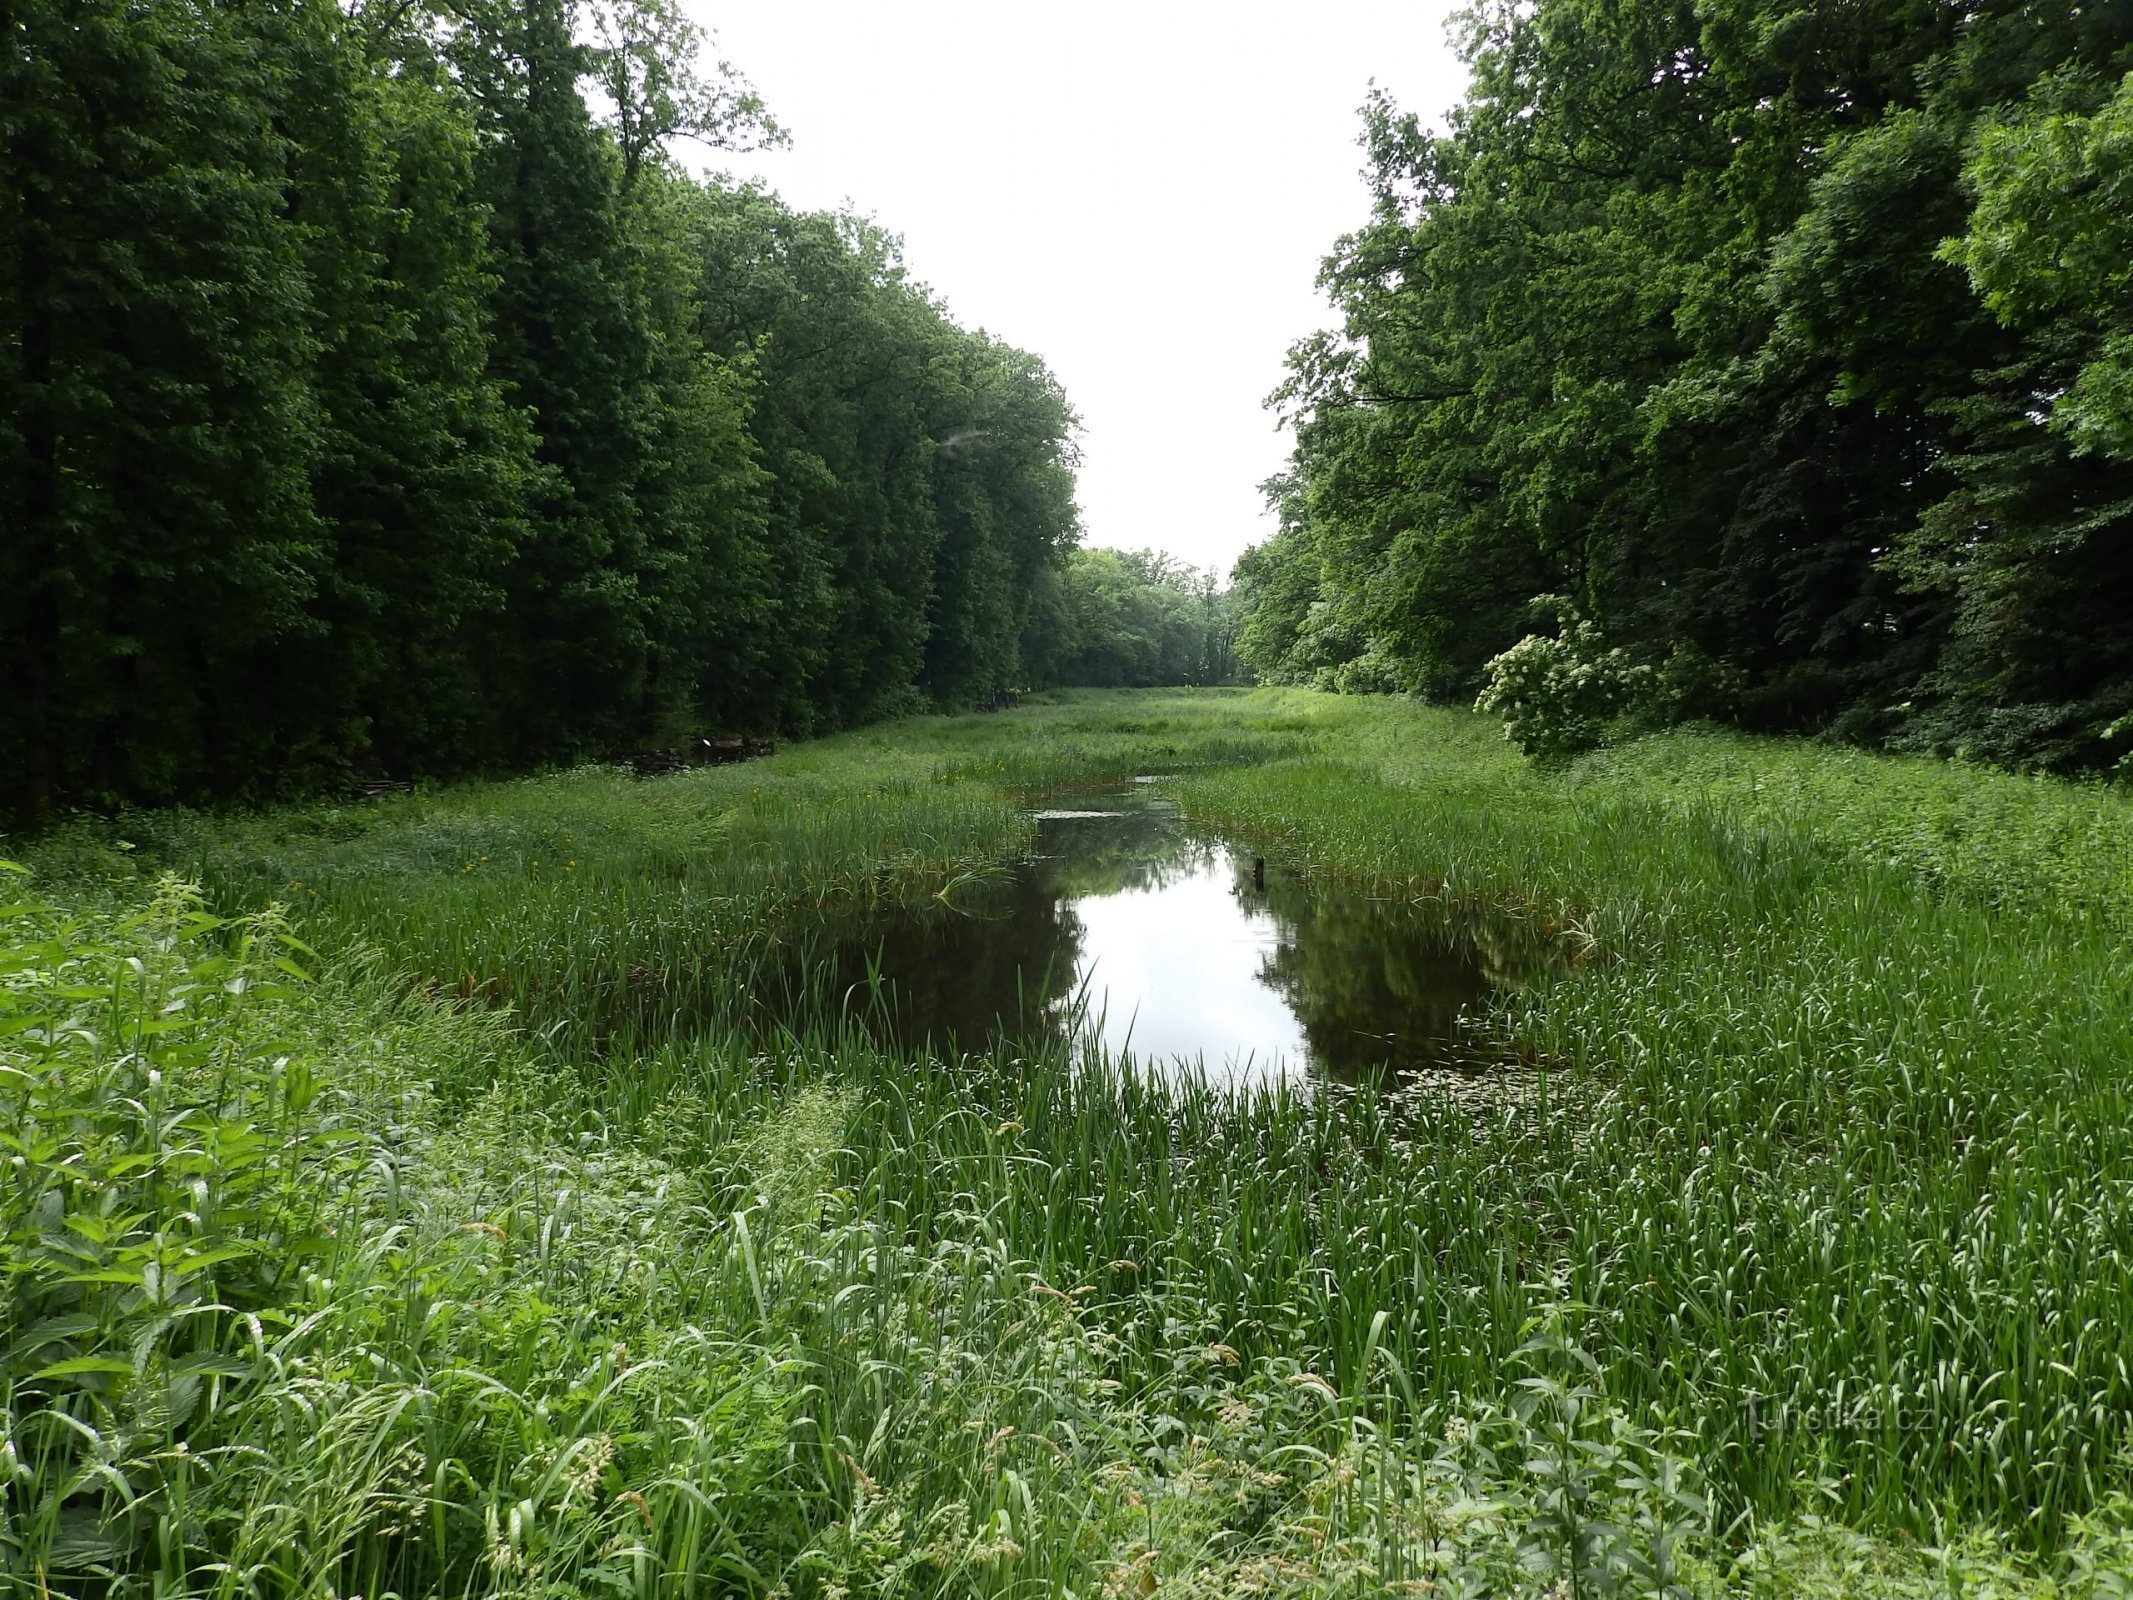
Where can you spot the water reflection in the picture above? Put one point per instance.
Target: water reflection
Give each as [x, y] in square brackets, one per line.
[1175, 946]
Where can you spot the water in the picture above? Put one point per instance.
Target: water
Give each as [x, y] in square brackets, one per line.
[1181, 948]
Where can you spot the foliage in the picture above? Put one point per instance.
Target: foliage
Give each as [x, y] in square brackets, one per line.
[607, 1287]
[1136, 619]
[169, 1177]
[271, 1328]
[1557, 695]
[377, 398]
[2052, 232]
[1788, 336]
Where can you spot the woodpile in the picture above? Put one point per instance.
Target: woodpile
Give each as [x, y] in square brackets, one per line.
[670, 759]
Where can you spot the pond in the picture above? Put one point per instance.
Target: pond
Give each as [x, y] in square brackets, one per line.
[1188, 951]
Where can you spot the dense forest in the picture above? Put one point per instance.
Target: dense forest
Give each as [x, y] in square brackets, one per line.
[1136, 619]
[1782, 349]
[381, 398]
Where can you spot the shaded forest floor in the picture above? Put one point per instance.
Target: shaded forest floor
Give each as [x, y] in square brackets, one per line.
[408, 1198]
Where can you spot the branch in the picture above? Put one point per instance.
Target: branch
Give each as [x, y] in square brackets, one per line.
[1375, 398]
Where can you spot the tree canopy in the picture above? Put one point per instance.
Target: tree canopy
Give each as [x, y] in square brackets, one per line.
[381, 398]
[1789, 343]
[1136, 619]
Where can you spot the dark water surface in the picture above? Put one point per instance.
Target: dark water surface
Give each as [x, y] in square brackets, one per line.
[1178, 947]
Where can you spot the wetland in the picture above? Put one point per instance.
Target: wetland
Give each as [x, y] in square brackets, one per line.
[1127, 928]
[522, 1157]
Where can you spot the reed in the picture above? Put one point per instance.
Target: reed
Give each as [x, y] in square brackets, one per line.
[488, 1241]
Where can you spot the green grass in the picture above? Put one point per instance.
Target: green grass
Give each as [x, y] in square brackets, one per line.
[512, 1253]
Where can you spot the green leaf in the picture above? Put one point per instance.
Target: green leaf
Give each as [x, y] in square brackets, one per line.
[187, 1265]
[50, 1331]
[213, 1363]
[84, 1367]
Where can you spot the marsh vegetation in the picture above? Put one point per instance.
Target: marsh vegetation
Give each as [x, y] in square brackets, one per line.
[421, 1204]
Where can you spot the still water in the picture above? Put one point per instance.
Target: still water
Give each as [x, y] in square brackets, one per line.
[1182, 949]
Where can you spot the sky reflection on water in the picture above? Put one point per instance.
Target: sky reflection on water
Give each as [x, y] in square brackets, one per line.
[1178, 948]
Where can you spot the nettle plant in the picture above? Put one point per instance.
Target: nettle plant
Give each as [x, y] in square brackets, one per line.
[1558, 695]
[163, 1167]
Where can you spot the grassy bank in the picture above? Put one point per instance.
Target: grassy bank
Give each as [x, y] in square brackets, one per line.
[467, 1228]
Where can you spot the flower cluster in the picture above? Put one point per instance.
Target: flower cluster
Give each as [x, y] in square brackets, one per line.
[1557, 696]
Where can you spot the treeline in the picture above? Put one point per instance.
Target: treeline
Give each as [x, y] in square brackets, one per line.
[1785, 347]
[381, 399]
[1136, 619]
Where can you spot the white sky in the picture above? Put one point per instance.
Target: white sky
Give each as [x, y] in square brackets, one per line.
[1139, 193]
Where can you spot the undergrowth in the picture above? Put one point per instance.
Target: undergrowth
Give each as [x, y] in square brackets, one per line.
[479, 1242]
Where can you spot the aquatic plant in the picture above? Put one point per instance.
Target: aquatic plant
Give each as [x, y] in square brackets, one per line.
[1791, 1262]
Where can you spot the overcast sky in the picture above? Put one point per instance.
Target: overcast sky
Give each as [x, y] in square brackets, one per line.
[1140, 193]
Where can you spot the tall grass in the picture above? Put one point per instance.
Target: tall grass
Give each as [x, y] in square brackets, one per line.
[514, 1253]
[1850, 1187]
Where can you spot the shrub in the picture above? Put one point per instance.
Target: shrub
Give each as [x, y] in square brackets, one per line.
[1375, 671]
[1557, 696]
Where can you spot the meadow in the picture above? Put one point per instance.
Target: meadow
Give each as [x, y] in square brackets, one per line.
[413, 1198]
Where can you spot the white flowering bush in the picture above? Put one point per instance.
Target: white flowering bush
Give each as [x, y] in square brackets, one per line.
[1557, 696]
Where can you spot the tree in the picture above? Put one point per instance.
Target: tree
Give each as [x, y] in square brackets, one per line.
[1668, 322]
[378, 395]
[647, 64]
[1137, 619]
[158, 429]
[424, 467]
